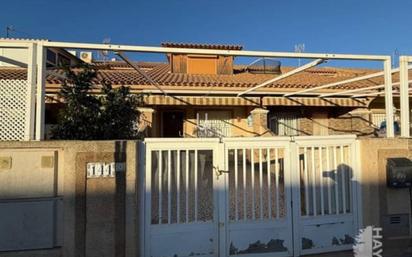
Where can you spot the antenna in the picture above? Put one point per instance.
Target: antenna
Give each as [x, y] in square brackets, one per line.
[299, 48]
[9, 29]
[104, 54]
[395, 58]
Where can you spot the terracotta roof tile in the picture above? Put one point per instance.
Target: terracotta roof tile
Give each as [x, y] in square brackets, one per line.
[202, 46]
[119, 74]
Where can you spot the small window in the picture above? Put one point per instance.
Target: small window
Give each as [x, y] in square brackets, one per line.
[201, 65]
[213, 124]
[284, 124]
[51, 57]
[378, 119]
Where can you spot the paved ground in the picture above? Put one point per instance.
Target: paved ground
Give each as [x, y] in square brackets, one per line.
[392, 248]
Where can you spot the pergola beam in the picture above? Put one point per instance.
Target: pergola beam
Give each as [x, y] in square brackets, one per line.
[349, 92]
[373, 93]
[135, 67]
[285, 75]
[347, 81]
[13, 62]
[380, 92]
[387, 76]
[41, 91]
[150, 49]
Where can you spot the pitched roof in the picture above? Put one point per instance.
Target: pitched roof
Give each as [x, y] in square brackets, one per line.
[10, 39]
[119, 73]
[202, 46]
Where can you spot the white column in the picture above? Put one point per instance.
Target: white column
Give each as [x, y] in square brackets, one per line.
[31, 92]
[404, 95]
[41, 85]
[388, 97]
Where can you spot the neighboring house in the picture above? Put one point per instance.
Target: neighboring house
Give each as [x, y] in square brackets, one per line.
[18, 57]
[201, 96]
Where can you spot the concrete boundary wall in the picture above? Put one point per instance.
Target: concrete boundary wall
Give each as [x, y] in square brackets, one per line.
[379, 202]
[100, 216]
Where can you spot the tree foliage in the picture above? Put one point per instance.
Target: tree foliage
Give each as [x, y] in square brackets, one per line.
[96, 113]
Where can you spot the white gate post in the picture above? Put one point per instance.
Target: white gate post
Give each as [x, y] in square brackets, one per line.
[295, 195]
[31, 89]
[404, 95]
[41, 80]
[356, 182]
[142, 191]
[388, 97]
[222, 164]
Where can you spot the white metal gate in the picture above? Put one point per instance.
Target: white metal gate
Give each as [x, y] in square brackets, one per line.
[249, 196]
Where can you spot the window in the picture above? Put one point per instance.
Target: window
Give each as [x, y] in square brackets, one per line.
[378, 119]
[379, 122]
[201, 65]
[213, 124]
[63, 60]
[284, 124]
[51, 57]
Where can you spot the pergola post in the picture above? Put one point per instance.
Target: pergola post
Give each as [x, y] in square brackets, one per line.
[41, 88]
[31, 92]
[404, 95]
[388, 97]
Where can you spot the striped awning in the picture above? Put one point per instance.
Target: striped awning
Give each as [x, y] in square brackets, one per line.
[314, 101]
[199, 100]
[252, 101]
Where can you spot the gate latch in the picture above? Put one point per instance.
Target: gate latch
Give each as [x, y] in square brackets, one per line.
[219, 172]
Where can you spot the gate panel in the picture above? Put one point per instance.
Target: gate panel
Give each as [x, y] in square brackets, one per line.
[326, 217]
[258, 192]
[276, 196]
[181, 199]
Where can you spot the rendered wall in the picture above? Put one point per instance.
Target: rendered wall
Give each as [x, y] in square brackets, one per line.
[96, 216]
[379, 201]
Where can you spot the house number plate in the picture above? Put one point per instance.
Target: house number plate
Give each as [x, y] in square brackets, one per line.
[104, 169]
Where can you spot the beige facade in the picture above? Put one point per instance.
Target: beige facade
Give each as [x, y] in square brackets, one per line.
[245, 121]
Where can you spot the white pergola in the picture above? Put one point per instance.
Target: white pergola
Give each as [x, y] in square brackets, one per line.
[37, 74]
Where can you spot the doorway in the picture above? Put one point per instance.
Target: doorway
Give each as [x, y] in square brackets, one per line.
[172, 124]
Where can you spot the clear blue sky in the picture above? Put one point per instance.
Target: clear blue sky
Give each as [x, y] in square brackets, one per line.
[342, 26]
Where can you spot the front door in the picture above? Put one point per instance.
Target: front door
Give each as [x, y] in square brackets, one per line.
[172, 124]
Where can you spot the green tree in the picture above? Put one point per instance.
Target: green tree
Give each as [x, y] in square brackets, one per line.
[105, 113]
